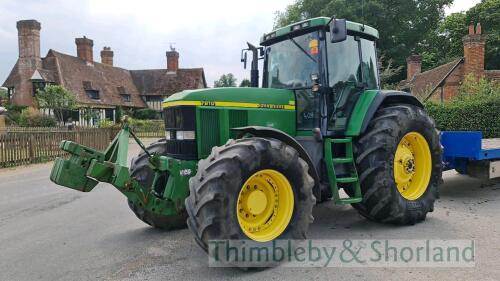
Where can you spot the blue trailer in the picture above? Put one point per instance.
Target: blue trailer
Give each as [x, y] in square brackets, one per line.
[466, 153]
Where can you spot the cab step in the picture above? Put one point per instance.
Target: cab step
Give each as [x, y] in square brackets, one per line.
[348, 159]
[342, 160]
[347, 180]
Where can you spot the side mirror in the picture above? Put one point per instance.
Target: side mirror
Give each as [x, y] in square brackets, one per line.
[244, 58]
[338, 30]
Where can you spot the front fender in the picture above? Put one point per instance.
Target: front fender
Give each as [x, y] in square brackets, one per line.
[266, 132]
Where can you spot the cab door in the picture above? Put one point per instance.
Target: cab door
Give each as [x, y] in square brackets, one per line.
[352, 69]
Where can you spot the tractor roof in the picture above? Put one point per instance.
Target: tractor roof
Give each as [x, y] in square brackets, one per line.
[302, 26]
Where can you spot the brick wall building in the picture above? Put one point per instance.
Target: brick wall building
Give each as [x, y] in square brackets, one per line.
[99, 87]
[442, 83]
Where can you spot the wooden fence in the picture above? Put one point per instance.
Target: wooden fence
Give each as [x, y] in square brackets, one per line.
[149, 131]
[21, 148]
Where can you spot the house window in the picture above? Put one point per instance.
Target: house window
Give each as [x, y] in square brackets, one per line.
[10, 92]
[93, 94]
[37, 85]
[125, 97]
[109, 114]
[71, 116]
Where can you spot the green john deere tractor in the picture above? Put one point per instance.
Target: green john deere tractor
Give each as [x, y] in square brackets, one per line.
[250, 163]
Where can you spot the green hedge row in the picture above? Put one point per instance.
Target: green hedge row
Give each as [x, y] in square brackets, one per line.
[477, 115]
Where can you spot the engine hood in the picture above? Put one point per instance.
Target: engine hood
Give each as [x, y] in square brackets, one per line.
[237, 97]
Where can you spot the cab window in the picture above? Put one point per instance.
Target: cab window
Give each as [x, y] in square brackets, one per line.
[370, 70]
[344, 76]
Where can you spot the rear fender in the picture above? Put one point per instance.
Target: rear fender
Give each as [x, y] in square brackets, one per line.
[383, 98]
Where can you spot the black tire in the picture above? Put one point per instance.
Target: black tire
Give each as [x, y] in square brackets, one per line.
[374, 153]
[214, 189]
[140, 170]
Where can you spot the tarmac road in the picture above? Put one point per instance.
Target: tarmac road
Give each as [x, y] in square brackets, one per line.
[52, 233]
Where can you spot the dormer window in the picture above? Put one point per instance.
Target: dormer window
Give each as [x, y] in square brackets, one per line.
[37, 85]
[37, 82]
[125, 97]
[123, 93]
[90, 91]
[93, 94]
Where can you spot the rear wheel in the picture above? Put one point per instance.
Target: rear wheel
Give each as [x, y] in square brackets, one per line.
[250, 189]
[399, 161]
[142, 172]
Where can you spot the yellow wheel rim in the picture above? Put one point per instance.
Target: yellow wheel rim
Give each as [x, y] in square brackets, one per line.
[412, 166]
[265, 205]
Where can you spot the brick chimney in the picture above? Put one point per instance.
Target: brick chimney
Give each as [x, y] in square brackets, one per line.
[474, 43]
[84, 49]
[107, 56]
[172, 60]
[28, 32]
[413, 66]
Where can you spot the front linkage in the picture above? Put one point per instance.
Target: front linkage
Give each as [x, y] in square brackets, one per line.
[86, 167]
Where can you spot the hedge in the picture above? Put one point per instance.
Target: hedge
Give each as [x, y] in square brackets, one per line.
[475, 108]
[478, 115]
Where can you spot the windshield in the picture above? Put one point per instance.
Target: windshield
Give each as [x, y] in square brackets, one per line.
[291, 62]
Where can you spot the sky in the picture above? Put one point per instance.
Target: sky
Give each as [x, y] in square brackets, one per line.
[206, 33]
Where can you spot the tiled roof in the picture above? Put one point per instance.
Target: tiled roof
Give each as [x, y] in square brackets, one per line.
[426, 82]
[75, 72]
[48, 75]
[160, 82]
[12, 78]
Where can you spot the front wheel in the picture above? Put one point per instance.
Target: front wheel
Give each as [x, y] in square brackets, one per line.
[144, 174]
[250, 189]
[399, 162]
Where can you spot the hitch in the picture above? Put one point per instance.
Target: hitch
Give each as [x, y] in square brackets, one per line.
[86, 167]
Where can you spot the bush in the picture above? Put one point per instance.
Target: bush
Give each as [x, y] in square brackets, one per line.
[146, 114]
[476, 108]
[137, 124]
[32, 118]
[106, 123]
[13, 113]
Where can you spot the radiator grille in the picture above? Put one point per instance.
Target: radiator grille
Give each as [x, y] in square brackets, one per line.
[237, 118]
[209, 130]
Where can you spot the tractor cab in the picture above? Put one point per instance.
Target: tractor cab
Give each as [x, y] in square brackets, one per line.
[328, 63]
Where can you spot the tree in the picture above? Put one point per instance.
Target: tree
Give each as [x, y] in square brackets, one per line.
[403, 24]
[387, 72]
[245, 83]
[57, 98]
[3, 93]
[443, 44]
[226, 80]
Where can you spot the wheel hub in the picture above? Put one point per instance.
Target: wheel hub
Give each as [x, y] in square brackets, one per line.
[412, 166]
[265, 205]
[256, 202]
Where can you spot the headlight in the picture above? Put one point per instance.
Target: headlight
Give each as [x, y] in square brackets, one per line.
[169, 135]
[185, 135]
